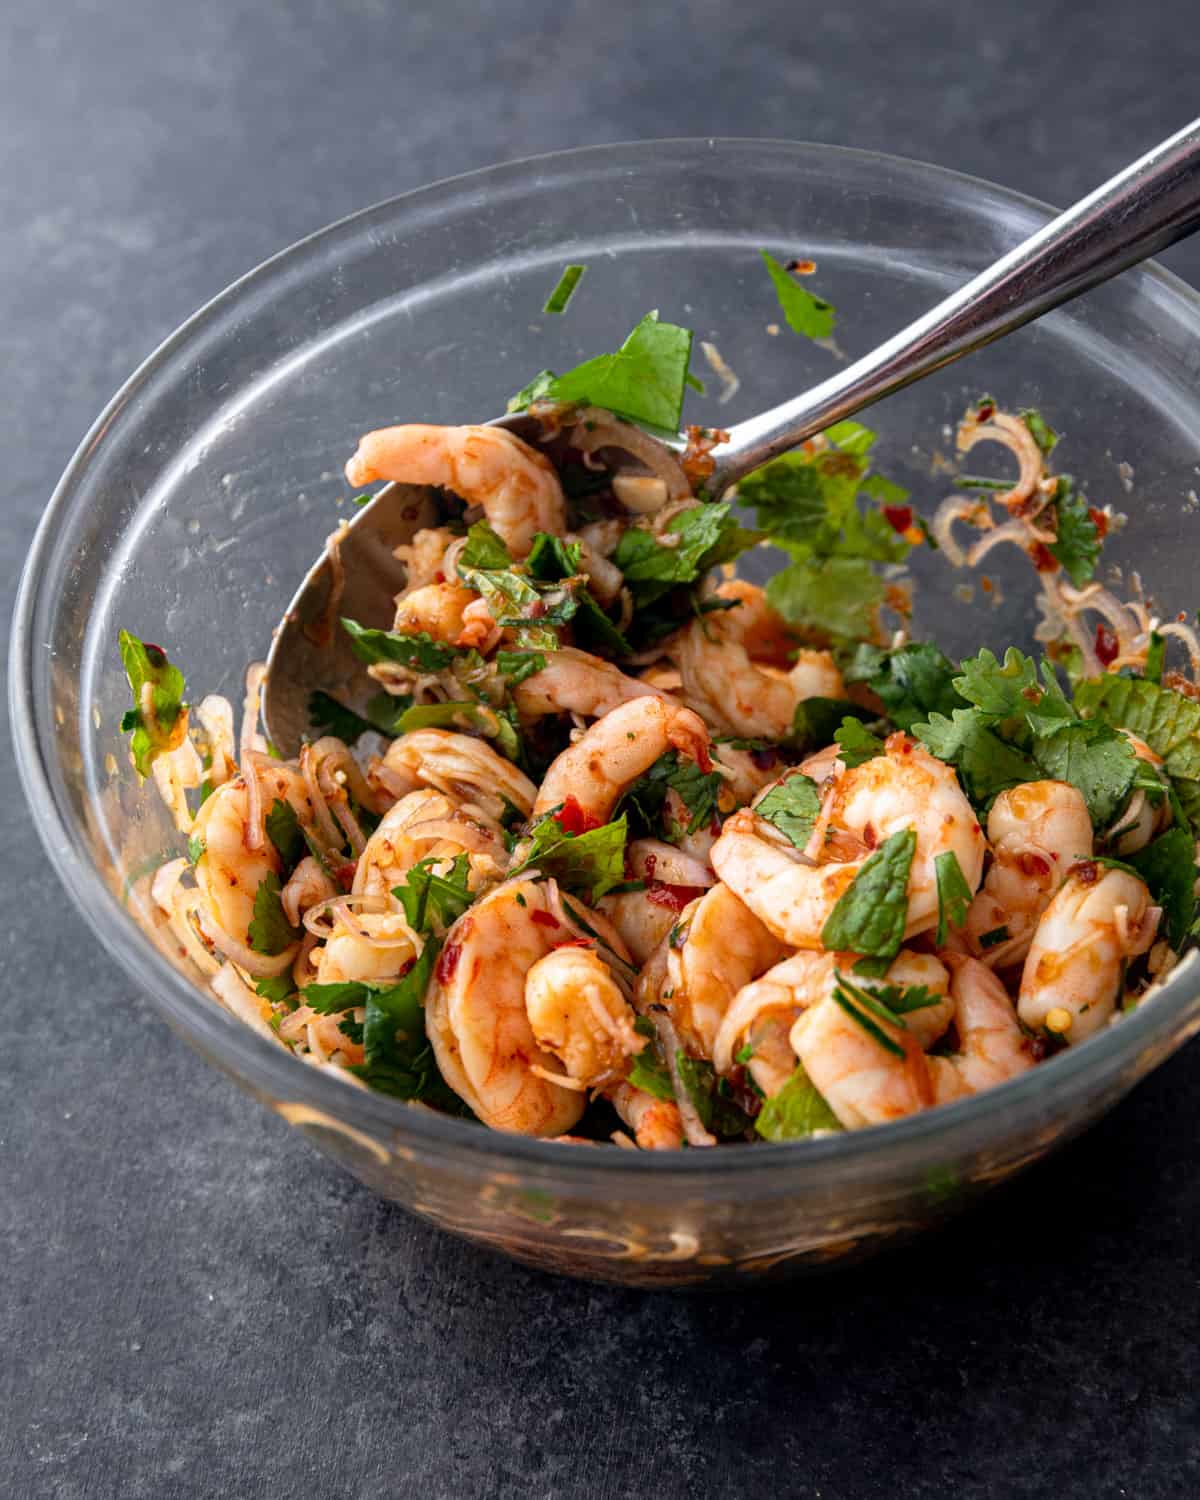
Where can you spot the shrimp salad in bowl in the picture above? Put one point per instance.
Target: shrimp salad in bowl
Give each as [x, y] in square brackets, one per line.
[627, 849]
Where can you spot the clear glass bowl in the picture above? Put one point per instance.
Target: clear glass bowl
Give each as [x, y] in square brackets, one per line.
[207, 486]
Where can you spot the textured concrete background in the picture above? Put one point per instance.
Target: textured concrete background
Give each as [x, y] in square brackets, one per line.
[191, 1302]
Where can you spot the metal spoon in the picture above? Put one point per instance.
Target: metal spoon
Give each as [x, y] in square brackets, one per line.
[1141, 210]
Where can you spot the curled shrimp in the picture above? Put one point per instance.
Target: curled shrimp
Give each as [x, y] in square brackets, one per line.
[424, 558]
[516, 485]
[448, 612]
[428, 825]
[1037, 831]
[574, 682]
[644, 918]
[737, 692]
[903, 788]
[616, 750]
[579, 1013]
[464, 768]
[656, 1123]
[991, 1045]
[1072, 978]
[476, 1016]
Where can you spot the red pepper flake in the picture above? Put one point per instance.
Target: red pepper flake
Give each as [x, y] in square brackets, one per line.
[1107, 646]
[537, 609]
[439, 576]
[545, 919]
[703, 760]
[344, 874]
[651, 863]
[898, 517]
[985, 411]
[579, 942]
[801, 267]
[1099, 521]
[447, 962]
[1042, 558]
[1033, 864]
[868, 837]
[673, 897]
[986, 584]
[156, 656]
[765, 758]
[573, 819]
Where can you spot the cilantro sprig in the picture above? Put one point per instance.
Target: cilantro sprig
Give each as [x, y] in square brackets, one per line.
[154, 732]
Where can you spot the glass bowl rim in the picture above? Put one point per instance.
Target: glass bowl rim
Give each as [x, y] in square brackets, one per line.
[272, 1071]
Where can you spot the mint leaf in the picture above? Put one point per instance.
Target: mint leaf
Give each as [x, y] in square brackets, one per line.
[1078, 546]
[856, 744]
[871, 914]
[564, 289]
[1167, 721]
[471, 718]
[419, 651]
[1168, 866]
[283, 829]
[518, 665]
[643, 381]
[270, 931]
[434, 902]
[649, 1071]
[912, 682]
[484, 548]
[708, 535]
[953, 893]
[590, 863]
[797, 1111]
[792, 806]
[153, 734]
[810, 316]
[718, 1112]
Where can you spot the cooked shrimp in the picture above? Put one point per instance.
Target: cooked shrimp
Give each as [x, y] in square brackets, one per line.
[746, 773]
[424, 558]
[642, 923]
[574, 682]
[369, 946]
[1037, 831]
[428, 825]
[903, 788]
[1072, 979]
[720, 947]
[466, 769]
[447, 612]
[736, 693]
[1146, 814]
[516, 485]
[992, 1046]
[475, 1009]
[579, 1013]
[616, 750]
[655, 1122]
[308, 884]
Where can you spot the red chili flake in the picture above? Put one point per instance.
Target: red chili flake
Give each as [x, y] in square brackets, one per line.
[898, 517]
[703, 760]
[986, 584]
[1037, 1047]
[868, 836]
[1107, 646]
[439, 576]
[985, 411]
[447, 962]
[157, 656]
[1099, 521]
[651, 863]
[1042, 558]
[580, 942]
[344, 874]
[673, 897]
[802, 267]
[545, 919]
[1033, 864]
[537, 609]
[572, 818]
[766, 758]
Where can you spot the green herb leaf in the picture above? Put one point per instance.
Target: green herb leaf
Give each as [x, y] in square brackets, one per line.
[327, 716]
[643, 381]
[590, 863]
[518, 665]
[195, 847]
[419, 651]
[1168, 866]
[434, 902]
[471, 718]
[871, 914]
[538, 389]
[283, 829]
[649, 1071]
[1095, 759]
[839, 595]
[792, 806]
[718, 1112]
[810, 316]
[986, 764]
[797, 1111]
[859, 1016]
[1043, 434]
[708, 536]
[999, 690]
[953, 893]
[564, 290]
[697, 789]
[399, 1057]
[277, 989]
[1078, 546]
[995, 936]
[484, 549]
[911, 682]
[270, 931]
[1167, 721]
[151, 735]
[856, 744]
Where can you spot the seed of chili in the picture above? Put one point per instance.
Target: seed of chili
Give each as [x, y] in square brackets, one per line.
[898, 517]
[1107, 646]
[545, 919]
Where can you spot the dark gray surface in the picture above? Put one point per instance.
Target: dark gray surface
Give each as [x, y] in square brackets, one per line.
[191, 1302]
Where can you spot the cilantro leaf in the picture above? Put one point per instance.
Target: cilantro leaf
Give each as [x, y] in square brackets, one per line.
[912, 682]
[419, 651]
[954, 895]
[538, 389]
[986, 764]
[856, 744]
[434, 902]
[871, 913]
[590, 863]
[643, 381]
[553, 560]
[839, 595]
[808, 315]
[277, 989]
[708, 535]
[697, 789]
[792, 806]
[399, 1057]
[1095, 759]
[797, 1111]
[716, 1109]
[1078, 546]
[564, 289]
[1168, 866]
[332, 999]
[1167, 721]
[270, 931]
[152, 733]
[999, 690]
[327, 716]
[283, 829]
[816, 720]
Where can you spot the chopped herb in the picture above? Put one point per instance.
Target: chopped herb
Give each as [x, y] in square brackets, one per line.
[986, 764]
[327, 716]
[418, 651]
[698, 790]
[278, 989]
[912, 682]
[484, 548]
[996, 935]
[360, 500]
[649, 1071]
[875, 1032]
[1043, 434]
[565, 290]
[399, 1057]
[477, 718]
[792, 806]
[1156, 658]
[797, 1111]
[591, 863]
[1168, 866]
[816, 721]
[1078, 546]
[195, 847]
[953, 893]
[810, 316]
[708, 535]
[716, 1109]
[744, 1053]
[871, 913]
[856, 744]
[518, 665]
[434, 902]
[147, 665]
[283, 829]
[270, 931]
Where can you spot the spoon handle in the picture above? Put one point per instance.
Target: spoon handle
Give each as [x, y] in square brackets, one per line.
[1141, 210]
